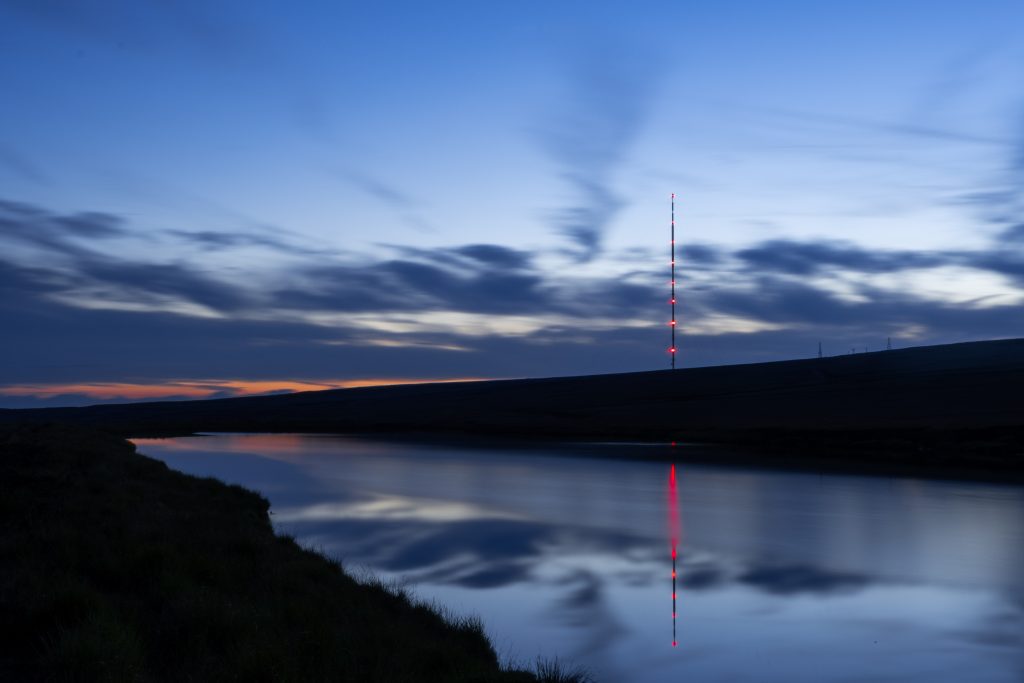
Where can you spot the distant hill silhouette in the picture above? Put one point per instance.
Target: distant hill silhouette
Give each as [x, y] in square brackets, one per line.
[963, 400]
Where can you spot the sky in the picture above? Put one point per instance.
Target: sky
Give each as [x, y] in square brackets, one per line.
[215, 199]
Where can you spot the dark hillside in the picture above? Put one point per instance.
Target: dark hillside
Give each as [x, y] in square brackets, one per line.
[964, 400]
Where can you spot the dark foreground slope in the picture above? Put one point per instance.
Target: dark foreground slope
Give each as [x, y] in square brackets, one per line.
[960, 398]
[115, 568]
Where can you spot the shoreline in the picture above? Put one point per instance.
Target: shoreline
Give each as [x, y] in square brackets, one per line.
[123, 569]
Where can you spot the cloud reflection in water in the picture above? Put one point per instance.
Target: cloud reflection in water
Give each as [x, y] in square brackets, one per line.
[566, 555]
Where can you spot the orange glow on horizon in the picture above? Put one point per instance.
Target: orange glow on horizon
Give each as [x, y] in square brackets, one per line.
[278, 444]
[204, 388]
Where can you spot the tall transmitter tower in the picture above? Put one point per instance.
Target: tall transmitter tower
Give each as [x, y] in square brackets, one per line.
[672, 299]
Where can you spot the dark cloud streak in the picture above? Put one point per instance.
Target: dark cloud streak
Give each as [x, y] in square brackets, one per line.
[808, 258]
[212, 239]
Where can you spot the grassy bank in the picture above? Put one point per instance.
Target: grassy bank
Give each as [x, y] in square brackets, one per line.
[116, 568]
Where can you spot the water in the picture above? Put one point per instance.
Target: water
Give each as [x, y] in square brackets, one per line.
[782, 576]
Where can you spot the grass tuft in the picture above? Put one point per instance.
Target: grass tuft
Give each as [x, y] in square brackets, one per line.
[555, 671]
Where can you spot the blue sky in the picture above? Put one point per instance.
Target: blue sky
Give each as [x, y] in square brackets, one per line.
[208, 198]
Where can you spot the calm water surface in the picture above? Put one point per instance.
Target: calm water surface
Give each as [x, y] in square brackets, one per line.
[780, 576]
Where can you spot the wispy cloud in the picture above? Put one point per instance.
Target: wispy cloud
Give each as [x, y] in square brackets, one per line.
[408, 208]
[911, 129]
[212, 239]
[382, 191]
[1000, 200]
[608, 100]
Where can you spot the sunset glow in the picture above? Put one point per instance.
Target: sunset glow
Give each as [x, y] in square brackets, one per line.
[199, 389]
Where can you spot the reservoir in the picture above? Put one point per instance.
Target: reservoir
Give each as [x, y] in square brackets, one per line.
[642, 567]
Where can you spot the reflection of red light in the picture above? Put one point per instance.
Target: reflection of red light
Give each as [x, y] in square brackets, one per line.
[674, 536]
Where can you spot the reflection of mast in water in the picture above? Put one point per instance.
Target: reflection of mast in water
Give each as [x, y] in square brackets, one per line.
[674, 527]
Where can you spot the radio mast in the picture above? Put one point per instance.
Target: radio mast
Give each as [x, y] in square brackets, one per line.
[672, 300]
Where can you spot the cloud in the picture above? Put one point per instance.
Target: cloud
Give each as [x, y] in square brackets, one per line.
[211, 239]
[702, 577]
[1002, 202]
[913, 129]
[798, 579]
[485, 550]
[476, 553]
[811, 257]
[28, 282]
[798, 305]
[380, 190]
[408, 207]
[407, 285]
[475, 278]
[1013, 235]
[483, 280]
[151, 283]
[498, 292]
[66, 264]
[92, 225]
[1009, 262]
[701, 254]
[1015, 176]
[609, 99]
[28, 225]
[477, 257]
[587, 609]
[495, 255]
